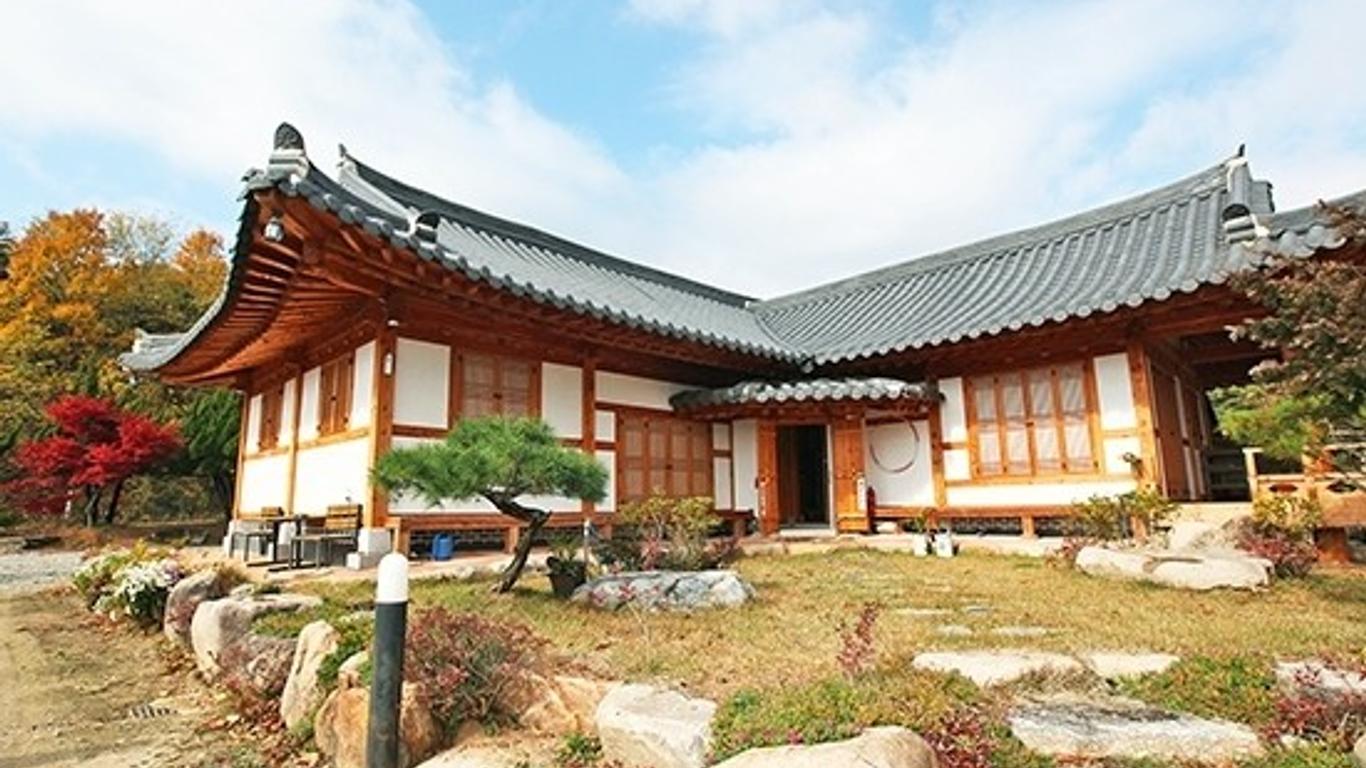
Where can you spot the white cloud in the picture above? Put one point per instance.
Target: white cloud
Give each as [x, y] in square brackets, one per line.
[834, 145]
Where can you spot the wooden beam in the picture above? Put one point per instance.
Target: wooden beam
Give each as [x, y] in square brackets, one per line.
[588, 394]
[291, 477]
[1140, 382]
[936, 424]
[381, 421]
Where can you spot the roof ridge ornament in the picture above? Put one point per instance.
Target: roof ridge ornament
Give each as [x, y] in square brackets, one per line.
[287, 156]
[1240, 223]
[423, 226]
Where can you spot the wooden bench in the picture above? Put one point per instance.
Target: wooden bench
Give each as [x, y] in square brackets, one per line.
[340, 526]
[262, 525]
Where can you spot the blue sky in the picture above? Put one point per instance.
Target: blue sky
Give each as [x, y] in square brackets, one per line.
[762, 145]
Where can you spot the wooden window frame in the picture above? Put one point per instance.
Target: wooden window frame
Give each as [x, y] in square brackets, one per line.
[456, 405]
[1065, 470]
[697, 434]
[270, 418]
[336, 391]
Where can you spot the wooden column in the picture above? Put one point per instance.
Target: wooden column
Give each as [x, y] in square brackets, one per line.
[242, 422]
[291, 476]
[376, 513]
[589, 428]
[847, 447]
[766, 479]
[936, 423]
[1140, 381]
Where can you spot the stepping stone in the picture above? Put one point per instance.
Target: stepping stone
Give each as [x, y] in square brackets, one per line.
[1022, 631]
[1113, 666]
[954, 630]
[921, 613]
[1071, 727]
[645, 725]
[976, 609]
[995, 667]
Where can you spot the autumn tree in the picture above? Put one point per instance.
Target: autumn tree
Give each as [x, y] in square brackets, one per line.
[1314, 393]
[94, 450]
[209, 428]
[6, 246]
[502, 461]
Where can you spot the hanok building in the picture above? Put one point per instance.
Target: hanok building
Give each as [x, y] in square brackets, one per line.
[1002, 380]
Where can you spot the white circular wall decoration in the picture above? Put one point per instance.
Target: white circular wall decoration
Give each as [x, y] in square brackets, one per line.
[896, 464]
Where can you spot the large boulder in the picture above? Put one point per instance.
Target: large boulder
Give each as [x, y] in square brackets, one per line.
[257, 665]
[340, 727]
[644, 725]
[1359, 752]
[1195, 571]
[995, 667]
[557, 704]
[217, 623]
[1200, 535]
[1076, 728]
[184, 598]
[885, 747]
[302, 692]
[666, 590]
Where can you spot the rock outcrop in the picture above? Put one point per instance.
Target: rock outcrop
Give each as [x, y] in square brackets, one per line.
[666, 590]
[184, 599]
[302, 692]
[340, 727]
[217, 623]
[644, 725]
[1193, 570]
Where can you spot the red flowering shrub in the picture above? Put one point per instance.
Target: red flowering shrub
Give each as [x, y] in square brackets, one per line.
[962, 740]
[1311, 711]
[467, 665]
[858, 650]
[1290, 555]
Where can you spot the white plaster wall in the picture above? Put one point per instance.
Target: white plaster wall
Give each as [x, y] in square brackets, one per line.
[895, 445]
[720, 437]
[720, 477]
[745, 463]
[1116, 394]
[1023, 495]
[287, 413]
[253, 424]
[562, 398]
[957, 464]
[363, 381]
[308, 405]
[953, 416]
[609, 460]
[336, 473]
[1115, 448]
[422, 380]
[634, 390]
[605, 426]
[264, 482]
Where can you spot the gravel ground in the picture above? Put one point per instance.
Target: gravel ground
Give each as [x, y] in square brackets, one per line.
[24, 571]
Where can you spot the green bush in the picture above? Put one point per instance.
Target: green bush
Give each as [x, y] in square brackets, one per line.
[128, 583]
[672, 532]
[1110, 518]
[1237, 688]
[836, 708]
[356, 636]
[1294, 516]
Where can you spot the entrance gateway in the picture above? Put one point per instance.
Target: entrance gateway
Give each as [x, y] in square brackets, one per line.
[803, 476]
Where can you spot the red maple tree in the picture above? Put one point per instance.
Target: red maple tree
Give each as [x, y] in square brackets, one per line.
[95, 449]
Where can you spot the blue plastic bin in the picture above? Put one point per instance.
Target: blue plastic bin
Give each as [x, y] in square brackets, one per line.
[443, 546]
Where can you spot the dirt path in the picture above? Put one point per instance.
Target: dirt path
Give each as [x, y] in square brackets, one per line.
[75, 692]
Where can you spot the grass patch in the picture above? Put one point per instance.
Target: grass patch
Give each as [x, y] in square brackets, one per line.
[1309, 756]
[837, 708]
[1237, 688]
[789, 637]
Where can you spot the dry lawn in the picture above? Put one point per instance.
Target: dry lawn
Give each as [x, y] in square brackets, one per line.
[790, 634]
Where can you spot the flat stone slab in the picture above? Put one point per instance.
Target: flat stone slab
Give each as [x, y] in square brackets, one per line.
[1114, 665]
[1197, 571]
[884, 747]
[995, 667]
[666, 590]
[645, 725]
[1316, 677]
[1120, 728]
[1022, 631]
[922, 613]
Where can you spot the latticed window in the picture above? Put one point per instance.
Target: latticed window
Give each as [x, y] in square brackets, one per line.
[272, 411]
[663, 454]
[335, 382]
[494, 385]
[1033, 422]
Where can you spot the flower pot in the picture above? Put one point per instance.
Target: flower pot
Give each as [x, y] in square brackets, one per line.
[920, 545]
[565, 577]
[943, 544]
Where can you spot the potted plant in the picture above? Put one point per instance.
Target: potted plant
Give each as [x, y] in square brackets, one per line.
[920, 541]
[943, 543]
[567, 571]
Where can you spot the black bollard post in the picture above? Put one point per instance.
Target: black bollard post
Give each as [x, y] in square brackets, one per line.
[386, 689]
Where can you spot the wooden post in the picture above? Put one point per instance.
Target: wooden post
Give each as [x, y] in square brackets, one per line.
[242, 428]
[1141, 383]
[1332, 545]
[589, 421]
[376, 512]
[1027, 527]
[767, 477]
[291, 477]
[1250, 466]
[511, 535]
[936, 422]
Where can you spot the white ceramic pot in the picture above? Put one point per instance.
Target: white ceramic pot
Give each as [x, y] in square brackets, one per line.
[943, 544]
[920, 545]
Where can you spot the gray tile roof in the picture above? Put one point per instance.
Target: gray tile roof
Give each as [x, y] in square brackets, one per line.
[1148, 247]
[810, 390]
[1188, 234]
